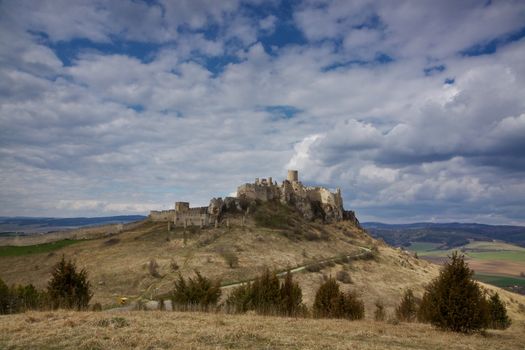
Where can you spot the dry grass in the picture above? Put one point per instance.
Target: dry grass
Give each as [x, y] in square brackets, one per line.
[169, 330]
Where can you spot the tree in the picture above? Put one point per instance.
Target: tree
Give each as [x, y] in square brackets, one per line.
[68, 288]
[199, 291]
[498, 318]
[291, 296]
[330, 302]
[406, 311]
[4, 298]
[453, 301]
[266, 295]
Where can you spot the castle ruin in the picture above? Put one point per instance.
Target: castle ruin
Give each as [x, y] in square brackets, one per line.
[312, 202]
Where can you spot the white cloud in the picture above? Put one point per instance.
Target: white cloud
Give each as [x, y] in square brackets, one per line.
[110, 132]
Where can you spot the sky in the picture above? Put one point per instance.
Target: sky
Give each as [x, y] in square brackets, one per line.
[415, 109]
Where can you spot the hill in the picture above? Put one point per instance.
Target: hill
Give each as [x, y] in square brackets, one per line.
[14, 226]
[447, 234]
[193, 330]
[119, 264]
[493, 252]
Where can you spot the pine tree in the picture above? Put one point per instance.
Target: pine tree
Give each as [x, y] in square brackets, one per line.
[196, 291]
[68, 288]
[327, 299]
[498, 318]
[291, 296]
[4, 298]
[406, 311]
[330, 302]
[453, 301]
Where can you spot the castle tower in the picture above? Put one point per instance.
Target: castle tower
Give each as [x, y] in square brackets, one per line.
[182, 206]
[293, 176]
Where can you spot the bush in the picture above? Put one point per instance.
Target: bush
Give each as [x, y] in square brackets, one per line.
[173, 265]
[406, 311]
[4, 298]
[498, 318]
[330, 302]
[231, 259]
[265, 295]
[343, 276]
[379, 312]
[199, 291]
[68, 288]
[315, 267]
[453, 301]
[153, 268]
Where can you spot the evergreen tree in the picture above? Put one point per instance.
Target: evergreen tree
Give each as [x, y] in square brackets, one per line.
[498, 318]
[330, 302]
[291, 296]
[68, 288]
[196, 291]
[4, 298]
[326, 299]
[453, 301]
[406, 311]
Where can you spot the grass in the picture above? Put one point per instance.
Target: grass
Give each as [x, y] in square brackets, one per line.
[422, 247]
[36, 249]
[194, 330]
[498, 255]
[499, 280]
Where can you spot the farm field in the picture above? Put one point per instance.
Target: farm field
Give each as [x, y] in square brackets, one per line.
[497, 263]
[37, 248]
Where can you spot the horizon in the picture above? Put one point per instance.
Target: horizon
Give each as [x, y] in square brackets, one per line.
[414, 109]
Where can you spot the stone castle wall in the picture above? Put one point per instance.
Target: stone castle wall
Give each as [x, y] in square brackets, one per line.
[312, 202]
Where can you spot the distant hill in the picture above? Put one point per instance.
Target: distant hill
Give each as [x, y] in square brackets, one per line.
[448, 234]
[30, 225]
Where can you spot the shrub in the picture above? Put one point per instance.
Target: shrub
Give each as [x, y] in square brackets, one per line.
[265, 295]
[453, 301]
[231, 259]
[4, 298]
[153, 268]
[199, 291]
[330, 302]
[498, 318]
[291, 296]
[315, 267]
[68, 288]
[173, 265]
[406, 311]
[379, 312]
[96, 307]
[343, 276]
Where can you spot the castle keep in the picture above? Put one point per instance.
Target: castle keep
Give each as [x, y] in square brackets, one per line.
[311, 202]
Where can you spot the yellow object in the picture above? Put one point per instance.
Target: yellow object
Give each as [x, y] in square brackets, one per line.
[123, 301]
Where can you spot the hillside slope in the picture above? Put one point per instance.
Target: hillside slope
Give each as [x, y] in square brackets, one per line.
[118, 266]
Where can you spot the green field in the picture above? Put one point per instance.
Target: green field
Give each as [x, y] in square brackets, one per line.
[476, 250]
[497, 255]
[423, 247]
[35, 249]
[500, 281]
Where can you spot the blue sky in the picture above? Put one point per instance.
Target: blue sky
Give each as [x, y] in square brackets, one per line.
[414, 108]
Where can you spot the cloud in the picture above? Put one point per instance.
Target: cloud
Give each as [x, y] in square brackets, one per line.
[103, 114]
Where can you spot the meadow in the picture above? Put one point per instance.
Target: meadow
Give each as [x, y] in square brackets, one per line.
[194, 330]
[36, 248]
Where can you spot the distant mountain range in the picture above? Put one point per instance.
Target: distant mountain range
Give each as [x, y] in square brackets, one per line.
[449, 234]
[31, 225]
